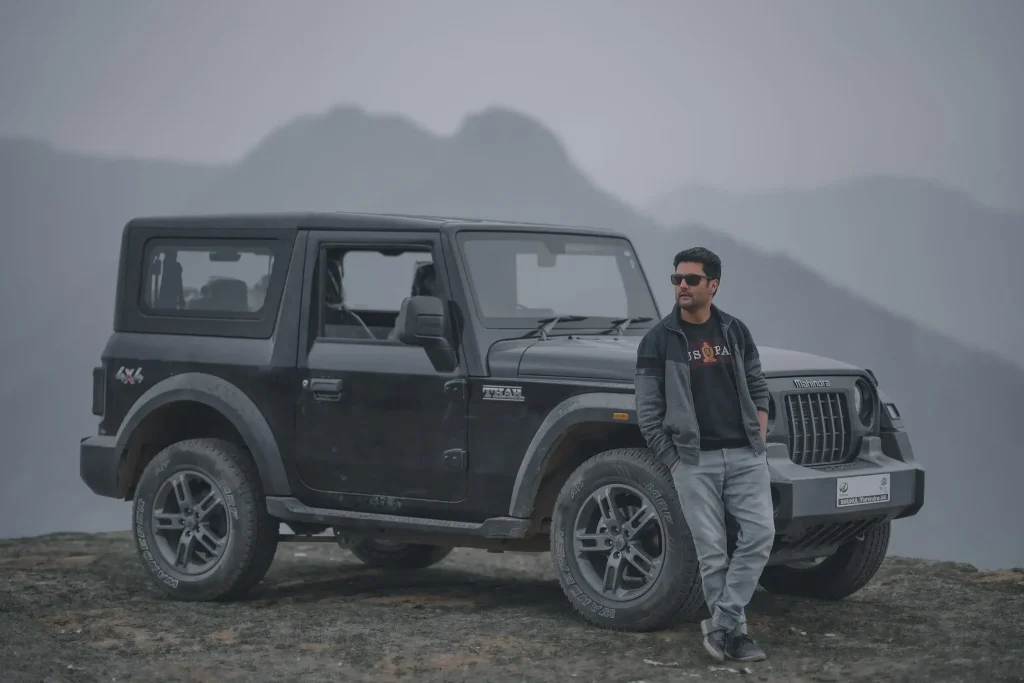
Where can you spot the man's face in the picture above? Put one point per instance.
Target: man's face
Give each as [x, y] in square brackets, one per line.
[693, 297]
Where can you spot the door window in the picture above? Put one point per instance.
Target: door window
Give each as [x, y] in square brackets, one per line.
[364, 287]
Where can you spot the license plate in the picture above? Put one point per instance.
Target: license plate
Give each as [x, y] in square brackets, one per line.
[864, 490]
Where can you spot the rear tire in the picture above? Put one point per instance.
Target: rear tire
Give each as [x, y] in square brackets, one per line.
[388, 555]
[852, 566]
[202, 499]
[635, 481]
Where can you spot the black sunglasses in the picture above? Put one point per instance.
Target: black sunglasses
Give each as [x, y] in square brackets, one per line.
[692, 279]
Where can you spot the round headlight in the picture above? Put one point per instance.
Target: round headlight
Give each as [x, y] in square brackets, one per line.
[863, 401]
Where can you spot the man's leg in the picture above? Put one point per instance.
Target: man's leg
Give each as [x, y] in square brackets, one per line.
[700, 494]
[747, 496]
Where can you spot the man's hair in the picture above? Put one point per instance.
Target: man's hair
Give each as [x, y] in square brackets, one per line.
[709, 259]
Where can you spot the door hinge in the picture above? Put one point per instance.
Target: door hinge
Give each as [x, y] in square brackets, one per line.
[454, 459]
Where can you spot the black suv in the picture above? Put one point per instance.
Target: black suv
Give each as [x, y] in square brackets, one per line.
[412, 384]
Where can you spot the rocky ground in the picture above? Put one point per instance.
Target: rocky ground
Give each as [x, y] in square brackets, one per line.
[79, 608]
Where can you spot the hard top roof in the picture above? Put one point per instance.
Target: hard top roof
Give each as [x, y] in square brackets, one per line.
[349, 220]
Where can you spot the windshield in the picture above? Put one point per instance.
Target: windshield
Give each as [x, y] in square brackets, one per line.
[520, 278]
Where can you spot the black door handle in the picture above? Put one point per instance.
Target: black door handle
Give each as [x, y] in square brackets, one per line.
[325, 389]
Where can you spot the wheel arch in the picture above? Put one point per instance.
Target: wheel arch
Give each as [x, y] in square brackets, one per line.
[197, 405]
[573, 431]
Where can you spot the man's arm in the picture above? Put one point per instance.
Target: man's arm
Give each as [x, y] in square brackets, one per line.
[757, 385]
[649, 380]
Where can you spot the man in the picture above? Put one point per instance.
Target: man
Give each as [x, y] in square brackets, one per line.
[702, 405]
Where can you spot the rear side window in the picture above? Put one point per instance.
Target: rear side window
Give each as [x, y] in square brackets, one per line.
[226, 278]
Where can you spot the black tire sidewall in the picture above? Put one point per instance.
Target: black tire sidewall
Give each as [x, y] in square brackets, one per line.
[211, 459]
[655, 482]
[404, 556]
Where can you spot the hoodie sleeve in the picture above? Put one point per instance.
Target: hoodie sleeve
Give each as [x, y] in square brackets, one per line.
[649, 380]
[757, 385]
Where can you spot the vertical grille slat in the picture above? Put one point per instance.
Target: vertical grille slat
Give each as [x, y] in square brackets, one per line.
[819, 433]
[831, 428]
[803, 434]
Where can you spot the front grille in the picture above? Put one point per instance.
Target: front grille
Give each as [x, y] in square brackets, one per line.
[819, 428]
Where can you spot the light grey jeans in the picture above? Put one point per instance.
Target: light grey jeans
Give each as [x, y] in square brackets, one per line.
[737, 480]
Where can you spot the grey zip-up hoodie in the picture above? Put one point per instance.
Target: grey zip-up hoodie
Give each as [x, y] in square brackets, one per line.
[664, 402]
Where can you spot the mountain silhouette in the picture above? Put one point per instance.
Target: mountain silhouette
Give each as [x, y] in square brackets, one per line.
[956, 398]
[914, 246]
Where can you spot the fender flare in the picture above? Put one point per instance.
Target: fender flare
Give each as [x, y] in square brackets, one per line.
[229, 401]
[588, 407]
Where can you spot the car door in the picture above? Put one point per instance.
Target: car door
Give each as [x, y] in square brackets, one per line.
[374, 417]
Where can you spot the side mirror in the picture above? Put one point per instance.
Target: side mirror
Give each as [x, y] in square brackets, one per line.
[422, 321]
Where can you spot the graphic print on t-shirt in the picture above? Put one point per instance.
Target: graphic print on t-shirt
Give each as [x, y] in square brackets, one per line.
[713, 383]
[706, 354]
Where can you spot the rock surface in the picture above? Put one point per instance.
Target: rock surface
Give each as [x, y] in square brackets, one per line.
[77, 607]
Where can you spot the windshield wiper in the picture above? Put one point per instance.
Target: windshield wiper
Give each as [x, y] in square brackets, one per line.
[547, 324]
[622, 323]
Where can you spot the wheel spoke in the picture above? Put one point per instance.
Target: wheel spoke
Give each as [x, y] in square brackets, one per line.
[168, 521]
[182, 492]
[640, 519]
[643, 562]
[186, 546]
[209, 541]
[207, 505]
[601, 542]
[610, 513]
[613, 573]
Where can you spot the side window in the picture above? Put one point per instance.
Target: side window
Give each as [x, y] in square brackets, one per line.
[223, 278]
[363, 289]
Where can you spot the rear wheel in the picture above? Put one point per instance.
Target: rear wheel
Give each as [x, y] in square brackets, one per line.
[384, 554]
[200, 523]
[622, 550]
[836, 577]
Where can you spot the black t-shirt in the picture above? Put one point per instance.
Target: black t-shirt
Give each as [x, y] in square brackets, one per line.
[713, 383]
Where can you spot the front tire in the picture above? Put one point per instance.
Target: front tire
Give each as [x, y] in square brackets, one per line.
[621, 547]
[200, 522]
[388, 555]
[839, 576]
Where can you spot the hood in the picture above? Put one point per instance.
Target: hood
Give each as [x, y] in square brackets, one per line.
[614, 359]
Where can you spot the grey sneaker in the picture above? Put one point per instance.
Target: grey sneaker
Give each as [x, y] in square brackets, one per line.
[741, 648]
[716, 639]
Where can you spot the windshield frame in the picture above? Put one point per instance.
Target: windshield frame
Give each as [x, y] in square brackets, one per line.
[529, 322]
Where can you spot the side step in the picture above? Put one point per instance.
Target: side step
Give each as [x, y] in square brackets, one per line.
[291, 509]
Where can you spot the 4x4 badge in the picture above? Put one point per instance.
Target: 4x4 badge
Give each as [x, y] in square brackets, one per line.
[129, 376]
[492, 393]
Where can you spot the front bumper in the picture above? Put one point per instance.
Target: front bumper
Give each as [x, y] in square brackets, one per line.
[822, 507]
[98, 462]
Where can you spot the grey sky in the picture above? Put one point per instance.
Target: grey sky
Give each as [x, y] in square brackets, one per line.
[646, 95]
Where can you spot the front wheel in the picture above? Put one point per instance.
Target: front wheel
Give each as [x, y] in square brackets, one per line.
[199, 522]
[836, 577]
[622, 550]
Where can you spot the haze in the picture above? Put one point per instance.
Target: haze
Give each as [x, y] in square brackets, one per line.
[875, 147]
[646, 95]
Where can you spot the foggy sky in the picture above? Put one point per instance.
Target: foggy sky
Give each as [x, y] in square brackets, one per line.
[646, 95]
